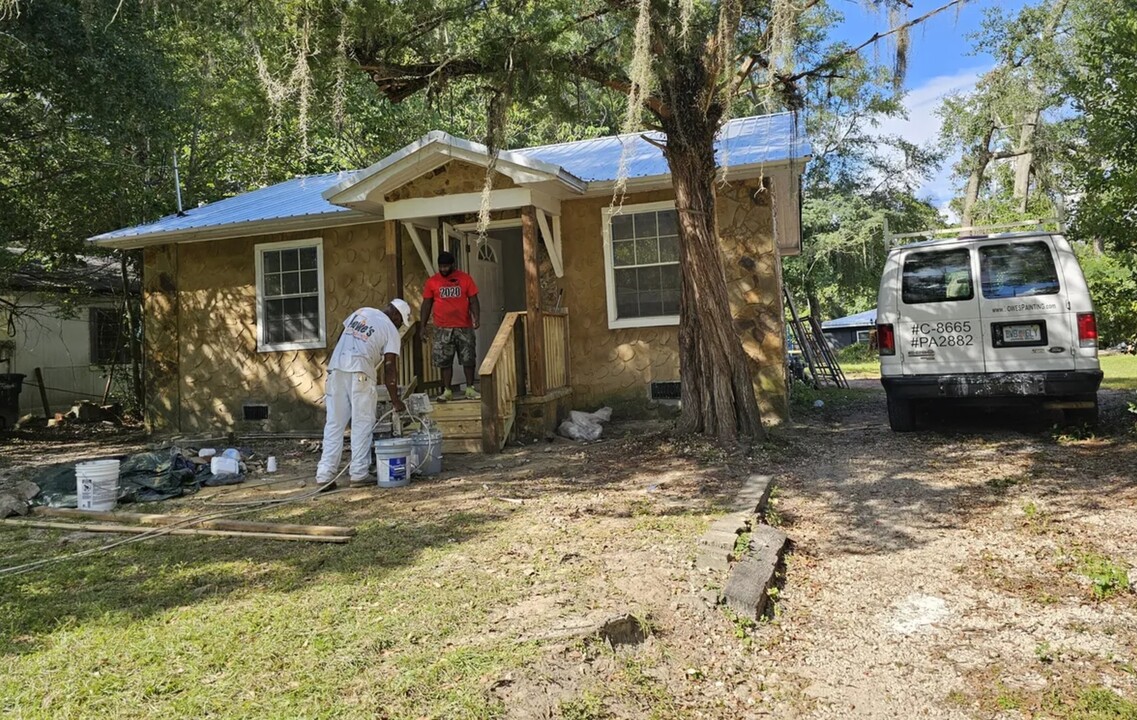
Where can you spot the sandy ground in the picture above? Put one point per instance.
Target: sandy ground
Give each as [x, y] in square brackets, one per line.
[942, 574]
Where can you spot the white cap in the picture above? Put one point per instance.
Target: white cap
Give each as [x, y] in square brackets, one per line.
[404, 309]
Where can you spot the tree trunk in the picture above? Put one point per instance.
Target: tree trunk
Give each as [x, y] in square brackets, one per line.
[717, 387]
[981, 158]
[1025, 161]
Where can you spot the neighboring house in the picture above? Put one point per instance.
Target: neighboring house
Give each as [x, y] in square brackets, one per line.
[68, 323]
[243, 298]
[851, 329]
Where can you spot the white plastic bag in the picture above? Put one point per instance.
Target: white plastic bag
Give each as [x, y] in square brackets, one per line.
[585, 427]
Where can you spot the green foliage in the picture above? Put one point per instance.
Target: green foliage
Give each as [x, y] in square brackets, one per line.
[857, 353]
[1113, 287]
[1108, 578]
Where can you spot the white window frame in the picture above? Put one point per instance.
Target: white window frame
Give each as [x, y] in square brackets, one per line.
[615, 323]
[867, 336]
[258, 253]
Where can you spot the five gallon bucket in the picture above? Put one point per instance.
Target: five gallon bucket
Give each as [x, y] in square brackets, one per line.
[97, 483]
[393, 458]
[428, 451]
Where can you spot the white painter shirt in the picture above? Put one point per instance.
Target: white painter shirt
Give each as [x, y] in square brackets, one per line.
[367, 336]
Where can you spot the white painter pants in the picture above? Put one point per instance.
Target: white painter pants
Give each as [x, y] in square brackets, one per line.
[348, 396]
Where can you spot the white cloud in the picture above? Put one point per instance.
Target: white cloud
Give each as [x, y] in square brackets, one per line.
[923, 125]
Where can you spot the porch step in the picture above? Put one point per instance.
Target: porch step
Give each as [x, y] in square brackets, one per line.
[461, 424]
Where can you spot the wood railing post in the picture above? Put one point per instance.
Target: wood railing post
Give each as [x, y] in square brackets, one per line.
[491, 422]
[534, 318]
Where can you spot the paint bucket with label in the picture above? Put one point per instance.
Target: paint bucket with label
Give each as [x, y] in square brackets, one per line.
[393, 461]
[428, 451]
[97, 484]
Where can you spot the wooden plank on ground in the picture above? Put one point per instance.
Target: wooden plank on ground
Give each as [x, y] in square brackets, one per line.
[137, 530]
[159, 519]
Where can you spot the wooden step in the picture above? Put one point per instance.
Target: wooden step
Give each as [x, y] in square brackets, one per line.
[460, 421]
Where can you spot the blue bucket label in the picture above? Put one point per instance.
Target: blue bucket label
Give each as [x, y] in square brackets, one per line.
[397, 469]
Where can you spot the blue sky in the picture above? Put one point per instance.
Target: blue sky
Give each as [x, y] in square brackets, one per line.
[940, 61]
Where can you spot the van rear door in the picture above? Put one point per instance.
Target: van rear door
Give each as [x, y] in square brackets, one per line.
[938, 331]
[1026, 324]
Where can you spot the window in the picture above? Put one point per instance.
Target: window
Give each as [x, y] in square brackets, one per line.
[641, 262]
[1018, 270]
[290, 295]
[937, 276]
[108, 337]
[864, 336]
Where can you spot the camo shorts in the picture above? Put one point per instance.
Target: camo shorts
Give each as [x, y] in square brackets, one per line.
[449, 342]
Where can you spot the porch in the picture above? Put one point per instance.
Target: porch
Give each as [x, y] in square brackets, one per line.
[523, 355]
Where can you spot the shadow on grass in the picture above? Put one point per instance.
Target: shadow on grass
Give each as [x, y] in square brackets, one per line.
[138, 580]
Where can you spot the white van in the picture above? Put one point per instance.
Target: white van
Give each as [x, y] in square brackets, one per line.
[987, 319]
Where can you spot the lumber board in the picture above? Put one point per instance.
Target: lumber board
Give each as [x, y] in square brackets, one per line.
[138, 530]
[160, 519]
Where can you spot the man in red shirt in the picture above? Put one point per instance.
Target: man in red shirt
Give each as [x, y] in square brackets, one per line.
[450, 299]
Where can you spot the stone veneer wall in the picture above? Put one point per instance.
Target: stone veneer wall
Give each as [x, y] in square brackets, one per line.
[202, 359]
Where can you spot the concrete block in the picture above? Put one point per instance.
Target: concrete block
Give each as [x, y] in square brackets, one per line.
[746, 588]
[754, 495]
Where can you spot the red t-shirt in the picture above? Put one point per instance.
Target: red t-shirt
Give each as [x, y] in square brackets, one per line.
[451, 297]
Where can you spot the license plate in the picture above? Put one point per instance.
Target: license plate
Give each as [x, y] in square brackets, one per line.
[1022, 333]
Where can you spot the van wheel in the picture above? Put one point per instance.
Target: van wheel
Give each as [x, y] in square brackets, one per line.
[901, 415]
[1087, 417]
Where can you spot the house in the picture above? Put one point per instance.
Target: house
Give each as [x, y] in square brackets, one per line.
[851, 329]
[68, 323]
[243, 297]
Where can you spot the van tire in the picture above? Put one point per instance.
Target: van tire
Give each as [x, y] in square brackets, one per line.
[901, 415]
[1087, 417]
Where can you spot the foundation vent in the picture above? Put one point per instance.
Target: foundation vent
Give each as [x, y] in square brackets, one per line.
[256, 411]
[665, 390]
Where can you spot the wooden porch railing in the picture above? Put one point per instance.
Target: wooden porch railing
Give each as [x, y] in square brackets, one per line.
[410, 359]
[500, 384]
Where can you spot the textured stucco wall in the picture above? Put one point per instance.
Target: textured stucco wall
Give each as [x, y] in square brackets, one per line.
[619, 364]
[201, 325]
[453, 178]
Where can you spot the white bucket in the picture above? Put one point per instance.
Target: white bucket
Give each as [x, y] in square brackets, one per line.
[221, 465]
[97, 485]
[393, 461]
[428, 451]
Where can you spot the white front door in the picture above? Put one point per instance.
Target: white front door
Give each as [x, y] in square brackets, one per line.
[485, 267]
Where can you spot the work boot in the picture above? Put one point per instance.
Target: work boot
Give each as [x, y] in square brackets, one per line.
[472, 394]
[446, 396]
[325, 485]
[361, 482]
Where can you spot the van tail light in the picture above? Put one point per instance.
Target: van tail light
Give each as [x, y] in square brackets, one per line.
[886, 339]
[1087, 330]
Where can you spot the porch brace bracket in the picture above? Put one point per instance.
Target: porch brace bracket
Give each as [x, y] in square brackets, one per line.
[417, 240]
[552, 240]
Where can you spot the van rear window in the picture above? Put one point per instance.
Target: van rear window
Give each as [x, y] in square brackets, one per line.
[1017, 270]
[937, 276]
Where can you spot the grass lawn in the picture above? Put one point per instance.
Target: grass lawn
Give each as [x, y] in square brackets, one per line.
[446, 593]
[1120, 371]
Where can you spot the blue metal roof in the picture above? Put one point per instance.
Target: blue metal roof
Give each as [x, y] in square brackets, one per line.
[746, 141]
[866, 318]
[292, 198]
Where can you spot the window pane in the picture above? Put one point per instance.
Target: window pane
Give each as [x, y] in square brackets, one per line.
[308, 258]
[292, 306]
[309, 282]
[290, 283]
[937, 276]
[625, 280]
[670, 300]
[1020, 270]
[647, 251]
[646, 225]
[668, 222]
[272, 261]
[650, 281]
[669, 248]
[627, 305]
[289, 259]
[623, 253]
[669, 277]
[272, 285]
[622, 227]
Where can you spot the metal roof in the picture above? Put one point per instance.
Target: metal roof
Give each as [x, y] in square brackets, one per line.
[742, 142]
[868, 317]
[745, 141]
[299, 197]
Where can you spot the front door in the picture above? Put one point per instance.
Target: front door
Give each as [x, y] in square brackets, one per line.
[486, 269]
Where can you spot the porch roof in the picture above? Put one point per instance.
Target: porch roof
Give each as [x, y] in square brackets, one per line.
[744, 145]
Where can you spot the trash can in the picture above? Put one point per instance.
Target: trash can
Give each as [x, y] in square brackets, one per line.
[10, 386]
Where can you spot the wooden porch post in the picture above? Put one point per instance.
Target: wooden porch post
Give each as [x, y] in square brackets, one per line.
[394, 261]
[534, 319]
